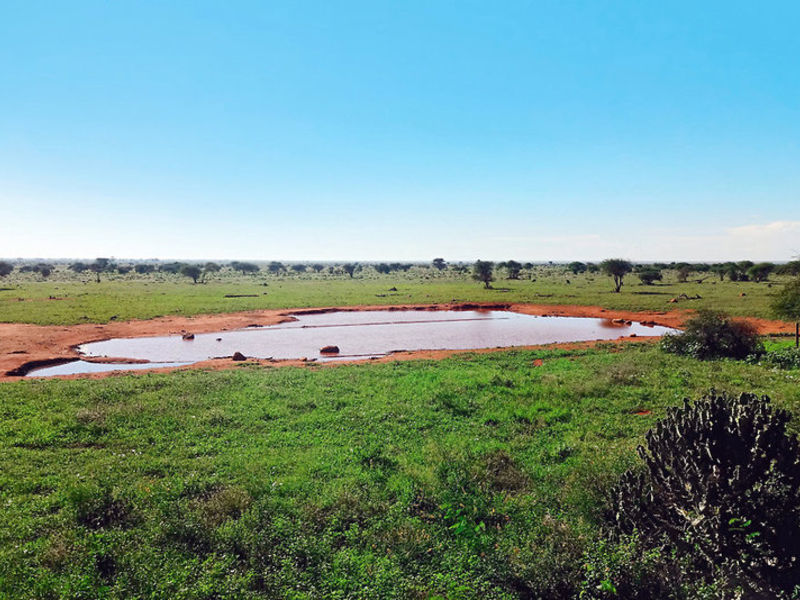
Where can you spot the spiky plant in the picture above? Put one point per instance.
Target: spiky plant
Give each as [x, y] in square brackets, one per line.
[721, 483]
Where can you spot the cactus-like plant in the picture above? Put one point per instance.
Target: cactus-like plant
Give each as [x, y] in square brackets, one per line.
[722, 483]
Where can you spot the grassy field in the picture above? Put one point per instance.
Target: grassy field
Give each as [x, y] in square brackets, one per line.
[478, 476]
[71, 301]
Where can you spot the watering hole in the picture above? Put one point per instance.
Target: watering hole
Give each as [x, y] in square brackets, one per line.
[357, 334]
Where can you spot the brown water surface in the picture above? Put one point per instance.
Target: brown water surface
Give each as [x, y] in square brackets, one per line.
[362, 334]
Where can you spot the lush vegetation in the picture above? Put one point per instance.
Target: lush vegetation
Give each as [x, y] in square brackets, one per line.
[712, 334]
[478, 476]
[786, 305]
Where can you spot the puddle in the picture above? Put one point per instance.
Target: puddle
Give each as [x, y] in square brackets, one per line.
[357, 334]
[82, 366]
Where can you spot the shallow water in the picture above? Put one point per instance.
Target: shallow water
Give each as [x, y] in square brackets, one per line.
[362, 334]
[83, 366]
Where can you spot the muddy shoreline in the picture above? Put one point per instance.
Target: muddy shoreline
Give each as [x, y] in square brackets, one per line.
[24, 346]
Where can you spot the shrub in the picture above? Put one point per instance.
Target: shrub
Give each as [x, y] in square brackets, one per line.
[786, 305]
[650, 276]
[721, 486]
[783, 358]
[144, 268]
[712, 335]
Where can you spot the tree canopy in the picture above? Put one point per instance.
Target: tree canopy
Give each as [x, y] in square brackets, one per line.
[761, 271]
[192, 271]
[245, 267]
[483, 270]
[616, 268]
[576, 267]
[787, 306]
[512, 268]
[100, 265]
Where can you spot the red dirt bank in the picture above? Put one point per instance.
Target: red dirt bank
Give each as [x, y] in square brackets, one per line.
[21, 343]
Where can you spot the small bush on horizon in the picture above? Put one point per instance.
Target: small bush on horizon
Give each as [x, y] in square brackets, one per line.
[649, 276]
[713, 334]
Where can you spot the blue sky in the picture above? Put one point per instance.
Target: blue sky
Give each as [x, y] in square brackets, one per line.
[400, 130]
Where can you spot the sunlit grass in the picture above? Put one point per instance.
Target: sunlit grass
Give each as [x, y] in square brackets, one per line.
[472, 477]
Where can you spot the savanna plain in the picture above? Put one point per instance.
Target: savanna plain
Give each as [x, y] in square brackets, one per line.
[475, 475]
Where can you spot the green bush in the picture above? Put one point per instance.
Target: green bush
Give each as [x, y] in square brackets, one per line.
[712, 335]
[783, 358]
[649, 276]
[720, 487]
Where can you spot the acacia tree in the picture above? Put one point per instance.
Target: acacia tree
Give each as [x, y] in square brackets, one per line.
[439, 263]
[760, 272]
[616, 268]
[790, 268]
[245, 267]
[349, 268]
[276, 267]
[100, 265]
[210, 267]
[173, 268]
[144, 268]
[787, 306]
[576, 267]
[5, 268]
[512, 268]
[483, 270]
[721, 269]
[192, 271]
[78, 267]
[43, 269]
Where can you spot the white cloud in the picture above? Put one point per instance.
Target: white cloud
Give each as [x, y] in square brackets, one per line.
[770, 229]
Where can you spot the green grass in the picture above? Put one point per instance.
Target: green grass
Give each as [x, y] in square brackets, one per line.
[478, 476]
[71, 300]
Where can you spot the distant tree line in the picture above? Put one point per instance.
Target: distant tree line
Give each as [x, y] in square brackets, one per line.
[483, 271]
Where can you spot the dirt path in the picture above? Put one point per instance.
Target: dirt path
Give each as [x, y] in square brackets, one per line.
[23, 346]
